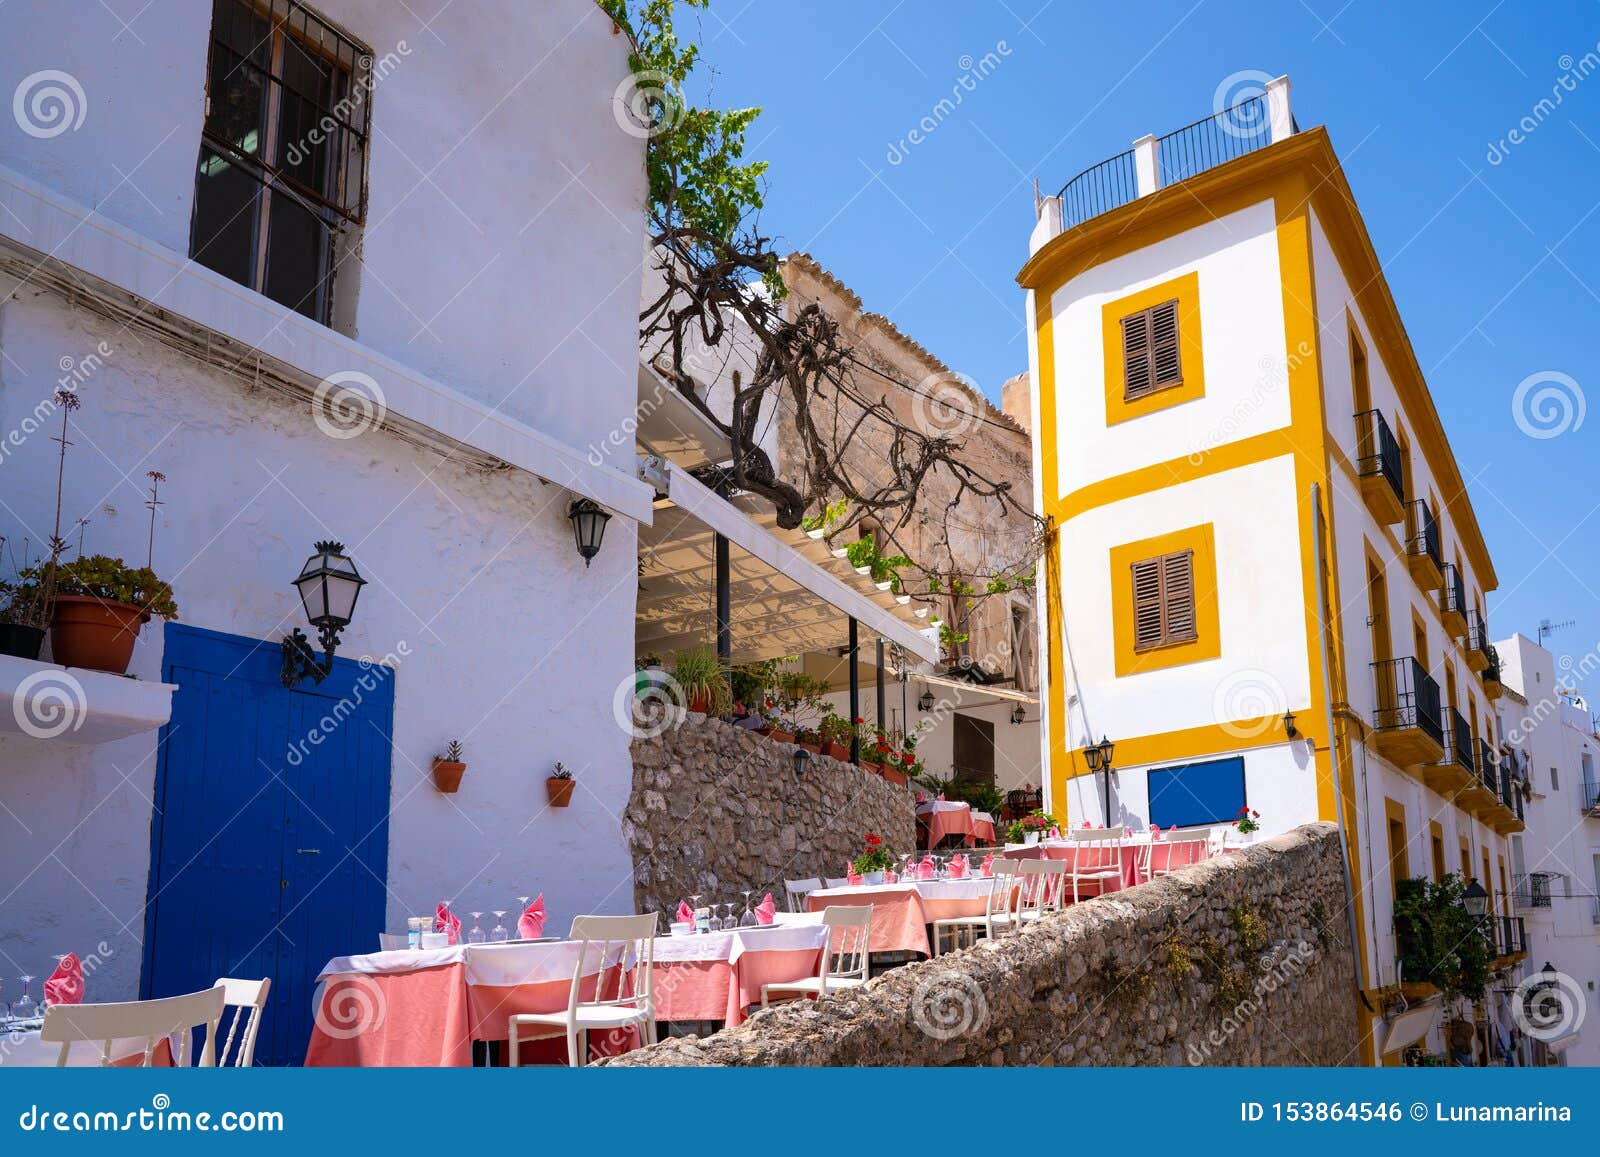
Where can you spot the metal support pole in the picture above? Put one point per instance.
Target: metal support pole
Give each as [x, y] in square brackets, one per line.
[883, 702]
[724, 612]
[855, 691]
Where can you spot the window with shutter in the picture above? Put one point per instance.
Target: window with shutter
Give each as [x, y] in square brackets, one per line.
[1150, 351]
[1163, 600]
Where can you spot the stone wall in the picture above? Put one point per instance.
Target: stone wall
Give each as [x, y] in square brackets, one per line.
[1242, 960]
[716, 809]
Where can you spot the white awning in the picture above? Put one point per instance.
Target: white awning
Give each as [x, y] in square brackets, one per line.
[1412, 1025]
[977, 690]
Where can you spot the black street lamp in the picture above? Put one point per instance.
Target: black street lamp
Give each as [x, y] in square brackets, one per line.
[1288, 725]
[925, 702]
[1018, 715]
[1474, 899]
[589, 520]
[1098, 756]
[329, 585]
[801, 758]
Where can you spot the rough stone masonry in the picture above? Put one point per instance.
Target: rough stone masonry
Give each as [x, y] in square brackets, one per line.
[1242, 960]
[716, 809]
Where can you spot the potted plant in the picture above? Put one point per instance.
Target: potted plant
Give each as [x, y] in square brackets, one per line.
[24, 613]
[876, 750]
[703, 680]
[448, 768]
[1248, 823]
[99, 605]
[559, 786]
[874, 860]
[1029, 828]
[836, 733]
[810, 740]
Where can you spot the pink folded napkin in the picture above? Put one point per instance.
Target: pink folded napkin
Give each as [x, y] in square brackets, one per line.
[685, 913]
[766, 910]
[1128, 832]
[65, 985]
[958, 867]
[941, 796]
[925, 869]
[1155, 831]
[530, 925]
[852, 877]
[921, 798]
[1085, 824]
[448, 922]
[988, 864]
[1055, 833]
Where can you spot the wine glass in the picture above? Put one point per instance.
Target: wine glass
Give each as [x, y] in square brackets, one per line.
[24, 1009]
[694, 905]
[475, 935]
[498, 934]
[716, 921]
[729, 920]
[748, 920]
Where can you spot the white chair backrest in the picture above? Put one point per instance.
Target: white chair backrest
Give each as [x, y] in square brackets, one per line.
[1189, 848]
[149, 1020]
[247, 998]
[1039, 885]
[1003, 896]
[1094, 835]
[1216, 841]
[620, 947]
[798, 890]
[841, 882]
[849, 941]
[391, 941]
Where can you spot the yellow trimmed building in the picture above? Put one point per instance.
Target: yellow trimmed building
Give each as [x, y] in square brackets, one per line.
[1266, 581]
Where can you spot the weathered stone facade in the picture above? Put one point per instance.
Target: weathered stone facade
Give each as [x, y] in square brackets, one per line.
[1242, 960]
[716, 809]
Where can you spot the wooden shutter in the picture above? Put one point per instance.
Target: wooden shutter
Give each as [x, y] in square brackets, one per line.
[1163, 600]
[1147, 617]
[1150, 351]
[1177, 580]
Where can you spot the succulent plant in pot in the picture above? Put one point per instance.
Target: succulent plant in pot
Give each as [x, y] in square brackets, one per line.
[559, 786]
[448, 768]
[24, 610]
[703, 680]
[99, 605]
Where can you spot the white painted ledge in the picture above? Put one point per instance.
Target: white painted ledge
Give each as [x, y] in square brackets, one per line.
[53, 229]
[69, 705]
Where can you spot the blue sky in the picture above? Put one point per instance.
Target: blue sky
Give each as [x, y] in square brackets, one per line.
[1495, 264]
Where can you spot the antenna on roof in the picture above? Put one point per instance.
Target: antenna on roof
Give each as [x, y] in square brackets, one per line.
[1547, 628]
[1038, 201]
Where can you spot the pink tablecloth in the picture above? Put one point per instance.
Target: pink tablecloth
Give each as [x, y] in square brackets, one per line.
[1126, 857]
[899, 920]
[720, 990]
[947, 818]
[982, 833]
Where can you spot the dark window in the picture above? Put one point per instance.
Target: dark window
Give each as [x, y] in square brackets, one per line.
[283, 151]
[1150, 358]
[1197, 793]
[1163, 600]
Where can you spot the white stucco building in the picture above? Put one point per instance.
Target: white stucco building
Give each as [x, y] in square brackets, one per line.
[1556, 862]
[338, 274]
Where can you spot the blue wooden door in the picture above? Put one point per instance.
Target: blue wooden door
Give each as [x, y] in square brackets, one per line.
[269, 845]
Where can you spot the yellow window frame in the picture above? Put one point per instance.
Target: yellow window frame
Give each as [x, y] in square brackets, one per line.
[1186, 291]
[1207, 643]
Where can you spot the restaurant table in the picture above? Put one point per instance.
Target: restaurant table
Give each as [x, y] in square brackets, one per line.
[1125, 857]
[22, 1048]
[717, 975]
[901, 912]
[946, 818]
[982, 830]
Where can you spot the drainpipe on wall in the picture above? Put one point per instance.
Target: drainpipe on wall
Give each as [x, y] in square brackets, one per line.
[1333, 747]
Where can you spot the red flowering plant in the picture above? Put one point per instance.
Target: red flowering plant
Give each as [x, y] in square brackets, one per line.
[1248, 821]
[1038, 821]
[880, 748]
[875, 857]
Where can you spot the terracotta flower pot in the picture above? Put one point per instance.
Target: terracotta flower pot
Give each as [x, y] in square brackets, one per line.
[839, 751]
[700, 702]
[560, 790]
[813, 748]
[95, 634]
[447, 775]
[780, 735]
[894, 775]
[21, 641]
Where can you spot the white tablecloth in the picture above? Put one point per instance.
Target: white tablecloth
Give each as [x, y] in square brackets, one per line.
[489, 964]
[941, 805]
[781, 936]
[968, 888]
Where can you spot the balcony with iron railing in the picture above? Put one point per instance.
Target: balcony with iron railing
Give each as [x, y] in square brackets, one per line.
[1533, 891]
[1408, 725]
[1453, 601]
[1378, 467]
[1492, 684]
[1477, 641]
[1507, 816]
[1458, 769]
[1480, 795]
[1155, 163]
[1424, 554]
[1591, 800]
[1508, 936]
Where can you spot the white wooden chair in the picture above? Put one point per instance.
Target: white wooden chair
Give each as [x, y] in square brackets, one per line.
[1216, 842]
[614, 943]
[1094, 835]
[1181, 853]
[999, 916]
[1093, 861]
[247, 998]
[798, 890]
[148, 1020]
[845, 958]
[841, 882]
[1041, 888]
